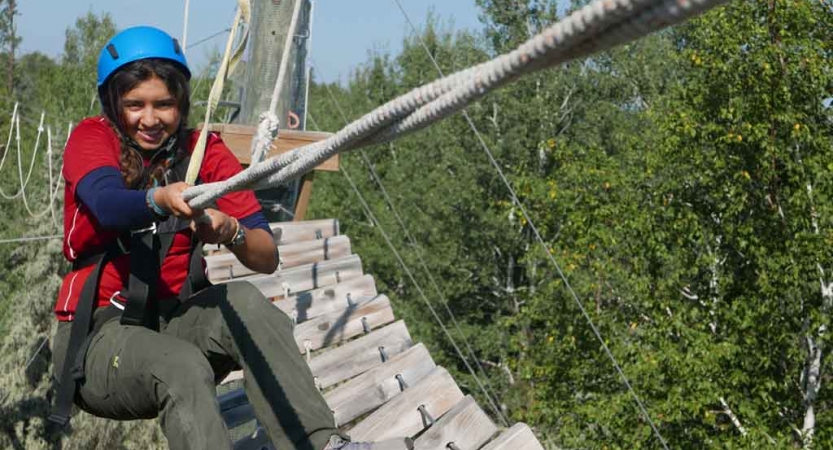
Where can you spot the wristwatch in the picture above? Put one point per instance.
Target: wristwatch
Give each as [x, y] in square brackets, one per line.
[239, 237]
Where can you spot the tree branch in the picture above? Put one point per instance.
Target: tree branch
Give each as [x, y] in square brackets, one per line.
[735, 421]
[502, 367]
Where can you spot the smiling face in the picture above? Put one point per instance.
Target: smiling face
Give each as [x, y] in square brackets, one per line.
[150, 113]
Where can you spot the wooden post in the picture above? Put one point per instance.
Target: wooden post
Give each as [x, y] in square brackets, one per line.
[304, 196]
[238, 138]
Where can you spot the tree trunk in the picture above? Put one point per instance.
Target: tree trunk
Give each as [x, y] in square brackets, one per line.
[10, 72]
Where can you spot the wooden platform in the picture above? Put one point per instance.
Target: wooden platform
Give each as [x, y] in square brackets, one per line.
[377, 381]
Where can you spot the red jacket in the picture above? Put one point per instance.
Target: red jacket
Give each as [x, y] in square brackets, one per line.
[92, 145]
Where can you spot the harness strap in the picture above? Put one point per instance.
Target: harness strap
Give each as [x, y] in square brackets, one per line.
[71, 373]
[92, 259]
[196, 279]
[147, 251]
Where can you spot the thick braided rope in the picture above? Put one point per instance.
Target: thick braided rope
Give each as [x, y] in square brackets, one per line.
[345, 138]
[596, 27]
[531, 56]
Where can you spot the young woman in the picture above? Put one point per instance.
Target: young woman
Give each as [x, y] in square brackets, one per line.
[140, 333]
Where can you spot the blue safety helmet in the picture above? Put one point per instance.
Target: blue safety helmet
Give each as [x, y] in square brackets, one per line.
[138, 43]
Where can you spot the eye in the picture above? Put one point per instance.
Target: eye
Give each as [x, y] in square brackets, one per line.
[132, 105]
[166, 104]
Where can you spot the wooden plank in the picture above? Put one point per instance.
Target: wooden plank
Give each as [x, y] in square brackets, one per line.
[518, 437]
[437, 393]
[374, 388]
[303, 197]
[360, 355]
[307, 230]
[355, 357]
[466, 425]
[306, 277]
[306, 252]
[309, 304]
[291, 232]
[238, 139]
[226, 265]
[328, 329]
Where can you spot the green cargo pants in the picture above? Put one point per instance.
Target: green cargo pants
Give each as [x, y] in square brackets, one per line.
[135, 373]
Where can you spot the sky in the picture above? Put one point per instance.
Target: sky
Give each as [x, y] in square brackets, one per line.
[344, 31]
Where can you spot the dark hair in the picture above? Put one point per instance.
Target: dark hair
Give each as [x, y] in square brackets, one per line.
[126, 79]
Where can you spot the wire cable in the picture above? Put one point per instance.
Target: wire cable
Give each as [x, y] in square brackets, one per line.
[543, 245]
[378, 225]
[490, 395]
[206, 39]
[28, 363]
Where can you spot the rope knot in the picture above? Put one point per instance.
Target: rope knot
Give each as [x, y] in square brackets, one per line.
[267, 131]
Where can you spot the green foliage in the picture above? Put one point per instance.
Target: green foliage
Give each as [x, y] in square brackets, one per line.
[681, 183]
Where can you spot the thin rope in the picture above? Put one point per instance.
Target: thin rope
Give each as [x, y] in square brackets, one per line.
[287, 47]
[23, 182]
[30, 239]
[51, 196]
[9, 140]
[489, 392]
[596, 27]
[206, 39]
[540, 240]
[185, 25]
[267, 129]
[53, 192]
[28, 363]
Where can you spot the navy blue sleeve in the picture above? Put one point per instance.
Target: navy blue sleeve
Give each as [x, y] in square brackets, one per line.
[256, 220]
[115, 206]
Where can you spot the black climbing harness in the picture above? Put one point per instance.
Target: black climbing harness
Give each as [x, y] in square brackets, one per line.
[146, 249]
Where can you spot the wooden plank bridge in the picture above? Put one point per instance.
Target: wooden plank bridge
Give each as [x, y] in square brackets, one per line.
[377, 381]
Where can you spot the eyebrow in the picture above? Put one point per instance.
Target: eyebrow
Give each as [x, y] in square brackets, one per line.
[138, 101]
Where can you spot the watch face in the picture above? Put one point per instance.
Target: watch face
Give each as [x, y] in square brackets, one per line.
[240, 237]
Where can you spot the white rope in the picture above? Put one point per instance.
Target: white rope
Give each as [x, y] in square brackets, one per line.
[596, 27]
[30, 239]
[53, 184]
[267, 132]
[267, 129]
[24, 182]
[185, 26]
[230, 60]
[9, 140]
[53, 192]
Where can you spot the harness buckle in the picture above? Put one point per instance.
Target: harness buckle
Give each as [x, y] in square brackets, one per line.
[151, 228]
[61, 420]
